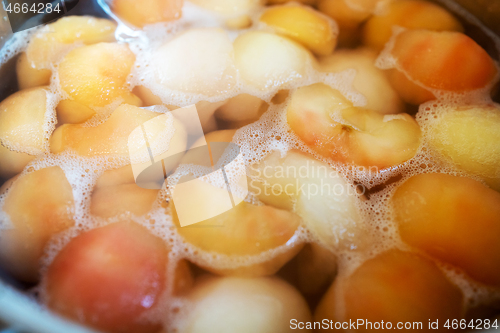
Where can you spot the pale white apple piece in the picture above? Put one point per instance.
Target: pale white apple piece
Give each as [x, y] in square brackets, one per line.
[266, 61]
[227, 305]
[316, 192]
[229, 7]
[370, 81]
[197, 61]
[22, 119]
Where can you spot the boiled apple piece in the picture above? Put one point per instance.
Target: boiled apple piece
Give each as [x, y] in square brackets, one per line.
[337, 130]
[306, 2]
[449, 61]
[241, 110]
[39, 205]
[22, 121]
[312, 270]
[147, 96]
[370, 81]
[454, 219]
[12, 162]
[121, 272]
[29, 76]
[304, 25]
[205, 109]
[112, 136]
[71, 112]
[53, 40]
[229, 7]
[409, 91]
[239, 22]
[115, 177]
[127, 198]
[229, 304]
[410, 14]
[349, 15]
[265, 60]
[147, 12]
[215, 136]
[317, 193]
[95, 75]
[193, 156]
[393, 287]
[245, 230]
[469, 137]
[116, 193]
[198, 61]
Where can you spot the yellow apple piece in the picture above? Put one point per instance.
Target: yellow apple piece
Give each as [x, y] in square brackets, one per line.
[198, 61]
[349, 15]
[306, 2]
[53, 40]
[29, 76]
[116, 192]
[241, 110]
[39, 205]
[96, 75]
[409, 91]
[454, 219]
[328, 123]
[194, 157]
[22, 121]
[410, 14]
[265, 305]
[266, 61]
[147, 96]
[312, 270]
[147, 12]
[304, 25]
[370, 81]
[112, 136]
[449, 61]
[12, 162]
[245, 230]
[121, 271]
[115, 177]
[116, 200]
[314, 191]
[205, 109]
[469, 137]
[71, 112]
[394, 287]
